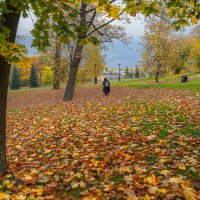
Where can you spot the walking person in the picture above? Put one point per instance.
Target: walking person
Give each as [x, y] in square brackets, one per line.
[106, 86]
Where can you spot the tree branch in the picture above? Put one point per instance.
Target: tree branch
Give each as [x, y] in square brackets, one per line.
[102, 25]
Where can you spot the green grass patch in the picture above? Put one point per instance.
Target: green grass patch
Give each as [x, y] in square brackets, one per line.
[75, 192]
[188, 129]
[119, 178]
[163, 134]
[169, 82]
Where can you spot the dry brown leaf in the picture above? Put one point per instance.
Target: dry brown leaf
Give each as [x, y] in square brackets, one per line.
[131, 195]
[52, 185]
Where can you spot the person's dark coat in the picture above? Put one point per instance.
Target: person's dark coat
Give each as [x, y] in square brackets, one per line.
[106, 86]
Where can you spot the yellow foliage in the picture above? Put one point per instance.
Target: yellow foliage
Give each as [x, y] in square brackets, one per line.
[151, 179]
[190, 194]
[194, 20]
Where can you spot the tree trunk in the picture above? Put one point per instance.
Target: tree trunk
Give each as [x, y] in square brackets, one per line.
[56, 77]
[69, 91]
[76, 58]
[83, 76]
[74, 64]
[157, 75]
[4, 77]
[177, 70]
[10, 21]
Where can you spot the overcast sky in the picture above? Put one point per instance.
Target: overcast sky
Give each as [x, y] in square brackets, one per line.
[127, 55]
[116, 52]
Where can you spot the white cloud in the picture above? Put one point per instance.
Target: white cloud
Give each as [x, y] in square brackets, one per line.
[136, 26]
[25, 25]
[127, 55]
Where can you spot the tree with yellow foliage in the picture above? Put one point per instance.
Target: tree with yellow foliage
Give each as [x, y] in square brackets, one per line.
[195, 50]
[92, 63]
[156, 45]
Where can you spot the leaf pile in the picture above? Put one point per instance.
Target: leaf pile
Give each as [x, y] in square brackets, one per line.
[130, 147]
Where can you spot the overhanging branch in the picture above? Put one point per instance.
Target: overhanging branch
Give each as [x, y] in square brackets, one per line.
[103, 25]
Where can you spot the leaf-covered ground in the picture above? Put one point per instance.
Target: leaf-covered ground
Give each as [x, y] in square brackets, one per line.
[133, 144]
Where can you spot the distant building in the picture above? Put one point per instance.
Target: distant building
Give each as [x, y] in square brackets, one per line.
[113, 75]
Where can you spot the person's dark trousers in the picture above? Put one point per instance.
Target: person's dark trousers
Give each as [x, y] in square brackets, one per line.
[106, 90]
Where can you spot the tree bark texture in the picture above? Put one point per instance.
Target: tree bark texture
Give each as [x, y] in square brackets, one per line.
[4, 77]
[157, 75]
[76, 58]
[74, 64]
[10, 20]
[56, 76]
[177, 70]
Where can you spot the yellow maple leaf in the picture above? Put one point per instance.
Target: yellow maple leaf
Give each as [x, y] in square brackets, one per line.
[175, 180]
[96, 163]
[128, 169]
[151, 179]
[163, 190]
[27, 177]
[165, 172]
[147, 197]
[98, 171]
[162, 160]
[135, 128]
[4, 196]
[120, 188]
[39, 191]
[181, 143]
[190, 194]
[26, 190]
[19, 197]
[182, 167]
[125, 169]
[128, 157]
[74, 185]
[134, 119]
[194, 20]
[10, 185]
[49, 173]
[82, 184]
[78, 175]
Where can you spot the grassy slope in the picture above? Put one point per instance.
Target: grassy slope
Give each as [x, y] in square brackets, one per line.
[171, 82]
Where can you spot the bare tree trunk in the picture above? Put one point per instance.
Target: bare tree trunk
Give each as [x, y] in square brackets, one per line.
[74, 64]
[157, 75]
[4, 77]
[69, 91]
[177, 70]
[83, 76]
[10, 20]
[76, 58]
[56, 76]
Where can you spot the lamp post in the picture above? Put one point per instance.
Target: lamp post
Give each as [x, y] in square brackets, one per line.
[119, 72]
